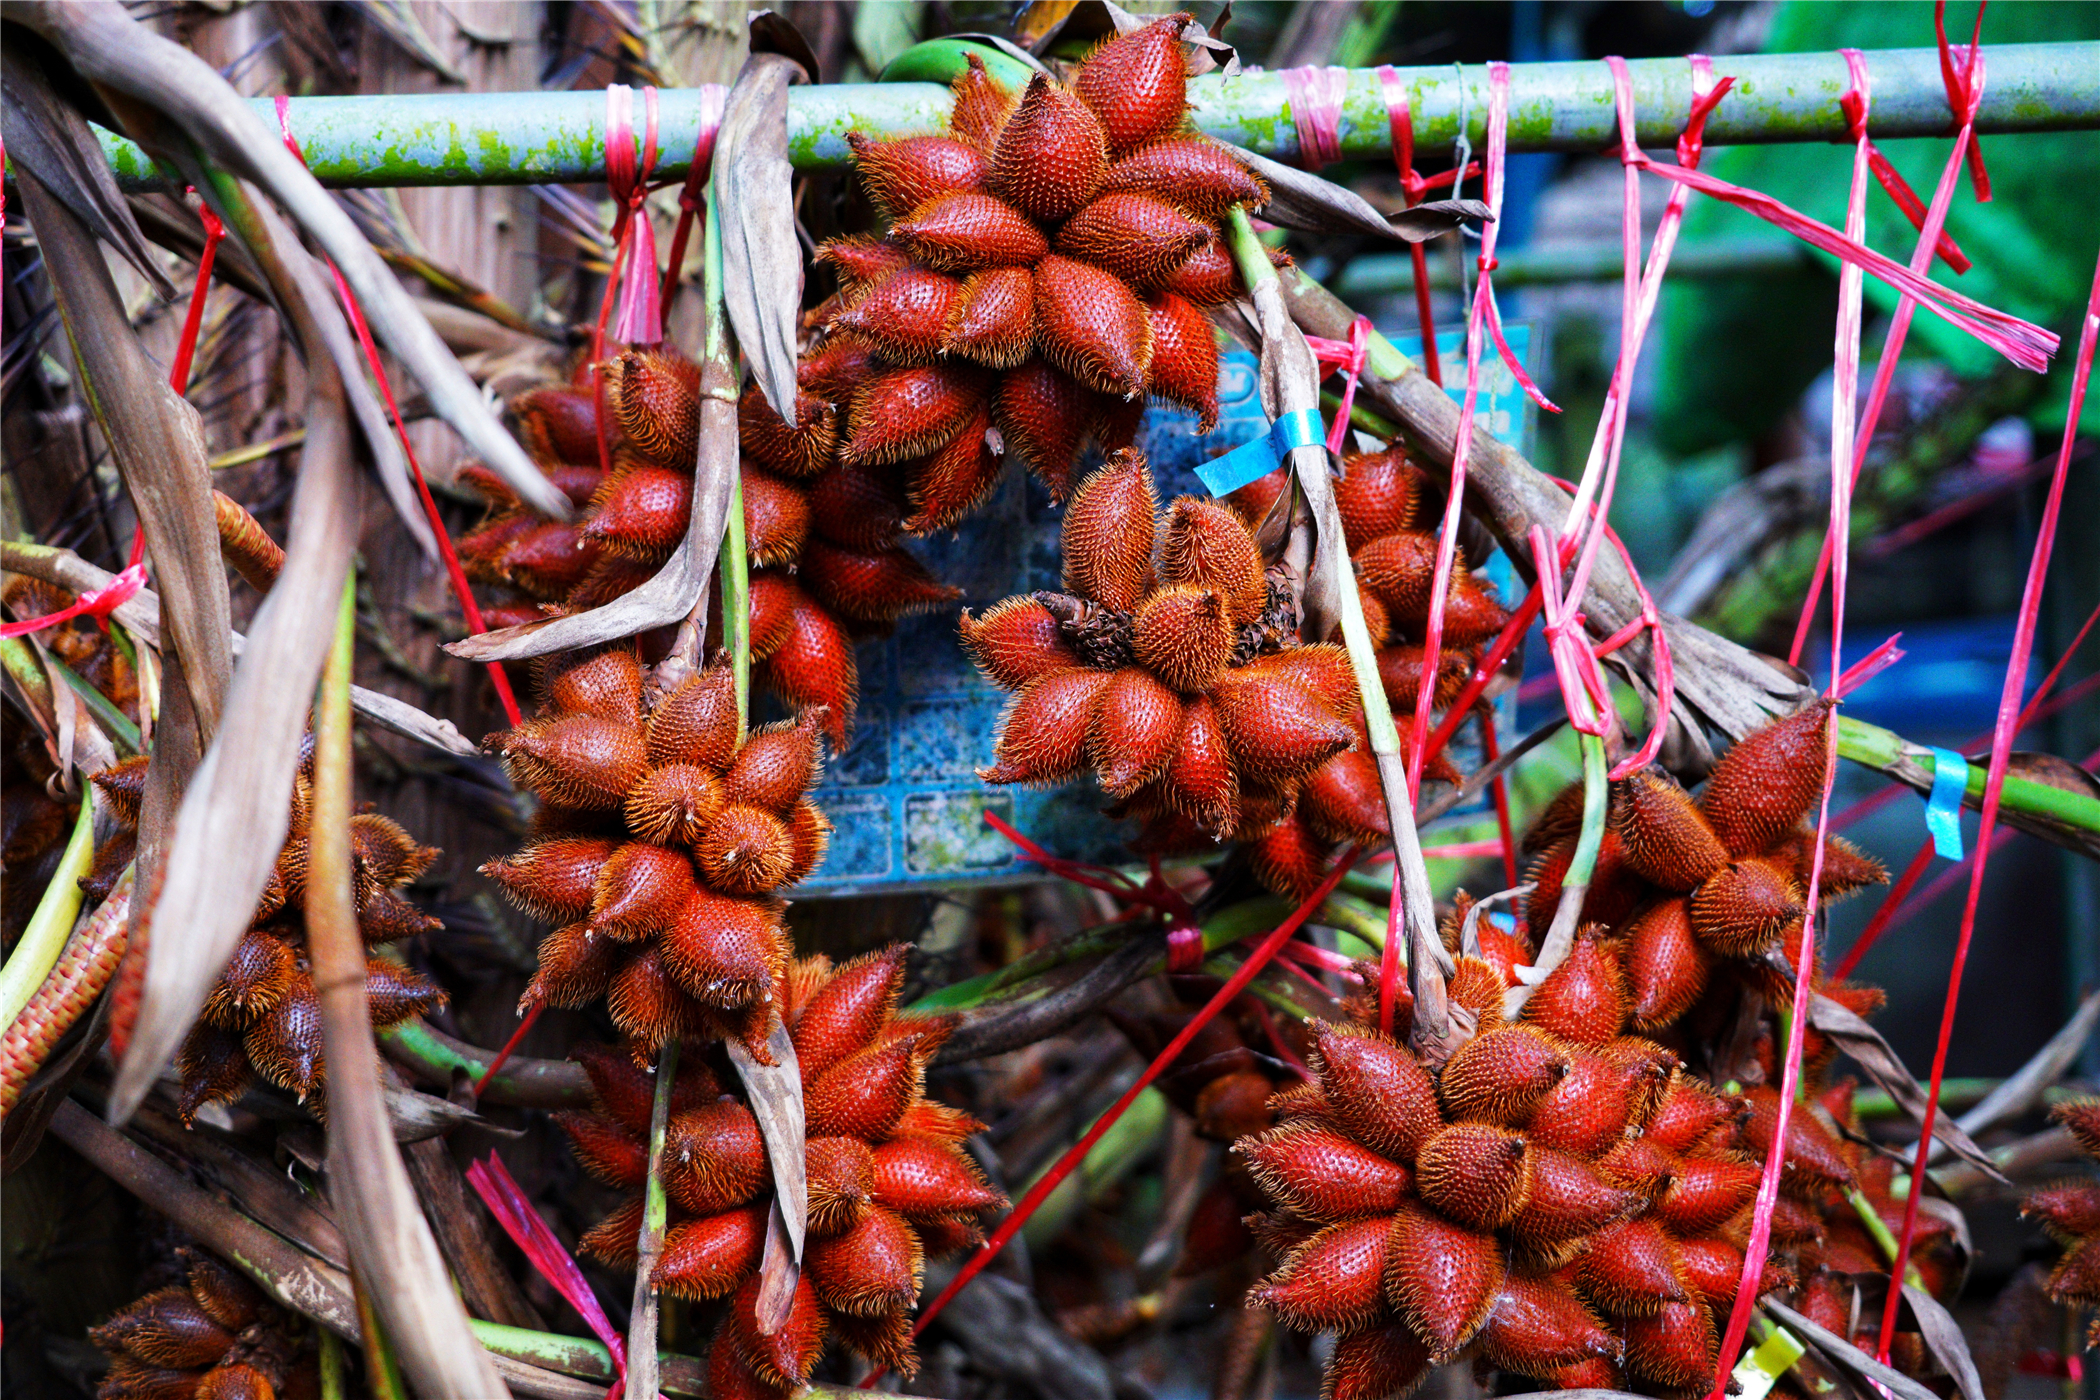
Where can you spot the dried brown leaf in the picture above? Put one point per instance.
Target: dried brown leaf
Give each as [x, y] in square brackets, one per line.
[753, 190]
[1872, 1053]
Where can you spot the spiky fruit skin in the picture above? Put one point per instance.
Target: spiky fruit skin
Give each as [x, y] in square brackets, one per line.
[672, 915]
[209, 1334]
[886, 1170]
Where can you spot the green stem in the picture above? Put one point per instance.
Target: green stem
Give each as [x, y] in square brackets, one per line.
[735, 559]
[27, 672]
[36, 951]
[437, 1058]
[1596, 793]
[334, 1366]
[382, 1366]
[1883, 1236]
[1880, 748]
[656, 1210]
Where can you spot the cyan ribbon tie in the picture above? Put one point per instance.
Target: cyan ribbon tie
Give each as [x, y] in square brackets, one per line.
[1950, 779]
[1256, 458]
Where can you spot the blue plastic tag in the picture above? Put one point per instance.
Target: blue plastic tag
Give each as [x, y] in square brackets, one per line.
[1950, 779]
[1256, 458]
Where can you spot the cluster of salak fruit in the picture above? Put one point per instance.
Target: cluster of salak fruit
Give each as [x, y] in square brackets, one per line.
[263, 1016]
[661, 836]
[34, 822]
[2070, 1211]
[1562, 1199]
[889, 1182]
[1170, 667]
[212, 1336]
[957, 336]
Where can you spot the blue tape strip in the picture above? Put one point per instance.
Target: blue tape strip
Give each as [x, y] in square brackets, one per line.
[1950, 779]
[1256, 458]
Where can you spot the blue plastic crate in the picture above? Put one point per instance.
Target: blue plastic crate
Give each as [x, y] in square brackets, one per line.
[904, 799]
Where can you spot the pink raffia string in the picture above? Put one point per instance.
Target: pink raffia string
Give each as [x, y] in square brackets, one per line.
[193, 320]
[1348, 357]
[1906, 309]
[1994, 781]
[640, 320]
[500, 1192]
[1155, 893]
[1399, 117]
[1961, 70]
[1868, 667]
[458, 575]
[98, 604]
[1844, 399]
[713, 99]
[1316, 95]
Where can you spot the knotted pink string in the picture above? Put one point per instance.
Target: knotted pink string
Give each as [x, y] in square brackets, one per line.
[98, 604]
[1347, 356]
[1400, 118]
[1315, 95]
[1964, 104]
[1961, 72]
[493, 1182]
[640, 320]
[713, 98]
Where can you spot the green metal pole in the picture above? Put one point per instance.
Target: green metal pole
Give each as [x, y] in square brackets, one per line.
[559, 137]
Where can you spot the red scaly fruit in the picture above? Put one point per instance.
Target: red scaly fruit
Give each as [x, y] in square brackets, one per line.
[2082, 1118]
[714, 1157]
[1199, 175]
[809, 836]
[871, 1269]
[1584, 1000]
[1091, 325]
[865, 1094]
[1666, 966]
[858, 261]
[871, 588]
[1639, 1165]
[576, 965]
[1687, 1112]
[1383, 1363]
[1108, 534]
[745, 850]
[1134, 236]
[994, 319]
[1477, 1174]
[1133, 732]
[1204, 545]
[707, 1258]
[929, 1119]
[1050, 156]
[1016, 641]
[1568, 1201]
[1673, 1347]
[1471, 614]
[901, 175]
[1745, 908]
[1846, 868]
[1441, 1279]
[393, 994]
[920, 1179]
[1377, 1092]
[776, 764]
[910, 412]
[168, 1328]
[982, 105]
[549, 559]
[655, 399]
[1478, 987]
[729, 1374]
[1378, 494]
[1538, 1324]
[725, 952]
[1712, 1268]
[1400, 674]
[855, 507]
[1631, 1268]
[2068, 1210]
[1206, 277]
[1202, 782]
[841, 1174]
[626, 1092]
[1183, 635]
[803, 450]
[812, 666]
[1400, 568]
[1322, 1176]
[284, 1043]
[605, 682]
[1499, 1076]
[955, 480]
[674, 804]
[906, 316]
[645, 1003]
[784, 1355]
[607, 1150]
[1667, 839]
[1343, 799]
[965, 232]
[640, 890]
[559, 424]
[1288, 859]
[847, 1010]
[1705, 1191]
[1043, 730]
[697, 722]
[1277, 730]
[886, 1340]
[1333, 1281]
[1763, 786]
[1813, 1154]
[1184, 357]
[1137, 84]
[1587, 1111]
[578, 761]
[1045, 415]
[256, 978]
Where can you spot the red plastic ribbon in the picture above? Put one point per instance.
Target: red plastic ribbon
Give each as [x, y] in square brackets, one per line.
[500, 1192]
[1347, 356]
[1400, 118]
[1315, 95]
[713, 99]
[98, 604]
[1994, 782]
[1868, 667]
[1961, 71]
[1154, 894]
[1906, 309]
[458, 575]
[193, 320]
[633, 277]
